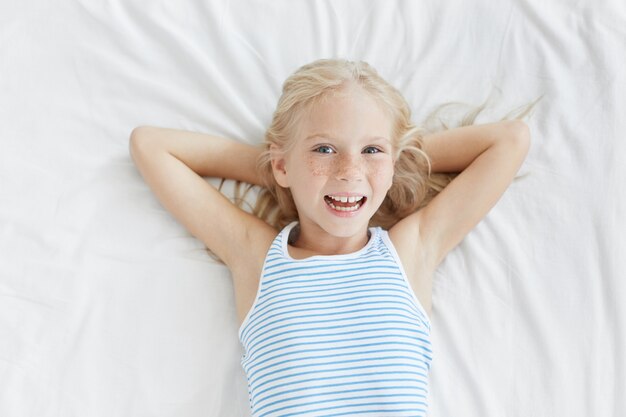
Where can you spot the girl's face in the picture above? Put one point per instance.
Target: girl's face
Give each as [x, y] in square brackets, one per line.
[343, 151]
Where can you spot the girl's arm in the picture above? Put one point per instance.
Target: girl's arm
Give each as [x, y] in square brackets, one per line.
[455, 149]
[206, 155]
[172, 163]
[488, 156]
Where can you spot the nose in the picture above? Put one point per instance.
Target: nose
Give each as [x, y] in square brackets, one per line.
[348, 168]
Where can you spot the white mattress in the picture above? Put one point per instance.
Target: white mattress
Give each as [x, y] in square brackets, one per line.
[109, 307]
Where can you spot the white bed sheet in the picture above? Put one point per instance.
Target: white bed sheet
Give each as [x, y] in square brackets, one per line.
[108, 307]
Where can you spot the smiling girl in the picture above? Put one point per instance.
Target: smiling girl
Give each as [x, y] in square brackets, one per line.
[333, 269]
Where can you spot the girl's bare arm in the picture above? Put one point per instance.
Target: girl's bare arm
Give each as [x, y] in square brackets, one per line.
[454, 150]
[207, 155]
[172, 163]
[487, 156]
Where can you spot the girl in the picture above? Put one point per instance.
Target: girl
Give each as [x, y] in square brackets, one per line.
[333, 269]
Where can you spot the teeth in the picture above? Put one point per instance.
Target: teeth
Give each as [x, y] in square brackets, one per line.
[345, 199]
[353, 208]
[356, 200]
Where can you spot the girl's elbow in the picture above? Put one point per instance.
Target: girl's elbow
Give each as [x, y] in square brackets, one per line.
[138, 139]
[521, 130]
[138, 132]
[519, 135]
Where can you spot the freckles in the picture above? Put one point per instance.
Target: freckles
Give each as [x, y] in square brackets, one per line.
[316, 167]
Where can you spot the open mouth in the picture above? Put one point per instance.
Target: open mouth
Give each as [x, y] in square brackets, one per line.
[345, 203]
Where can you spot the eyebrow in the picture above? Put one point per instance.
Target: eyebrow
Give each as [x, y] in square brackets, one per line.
[327, 136]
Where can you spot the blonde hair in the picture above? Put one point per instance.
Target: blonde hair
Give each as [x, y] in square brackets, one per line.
[414, 185]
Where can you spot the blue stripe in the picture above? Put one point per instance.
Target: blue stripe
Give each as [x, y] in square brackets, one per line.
[396, 300]
[343, 326]
[366, 279]
[422, 391]
[368, 367]
[421, 411]
[389, 299]
[256, 314]
[245, 338]
[421, 380]
[325, 273]
[371, 257]
[325, 279]
[280, 299]
[343, 376]
[414, 396]
[332, 349]
[335, 341]
[302, 335]
[325, 291]
[332, 292]
[418, 360]
[347, 405]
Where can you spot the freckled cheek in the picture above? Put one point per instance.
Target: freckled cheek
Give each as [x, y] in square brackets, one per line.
[381, 170]
[318, 168]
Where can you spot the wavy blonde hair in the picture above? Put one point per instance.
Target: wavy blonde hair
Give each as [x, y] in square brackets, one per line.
[414, 185]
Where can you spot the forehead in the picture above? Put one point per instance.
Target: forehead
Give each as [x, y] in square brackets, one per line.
[347, 113]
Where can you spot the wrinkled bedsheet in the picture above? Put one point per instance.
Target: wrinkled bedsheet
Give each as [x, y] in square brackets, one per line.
[109, 307]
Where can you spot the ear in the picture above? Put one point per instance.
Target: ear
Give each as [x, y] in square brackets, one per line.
[279, 166]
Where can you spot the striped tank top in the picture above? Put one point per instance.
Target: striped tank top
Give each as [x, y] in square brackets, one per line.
[336, 335]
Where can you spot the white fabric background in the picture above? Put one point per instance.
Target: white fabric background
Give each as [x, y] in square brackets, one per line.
[108, 307]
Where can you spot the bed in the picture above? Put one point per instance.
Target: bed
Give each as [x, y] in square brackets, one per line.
[109, 307]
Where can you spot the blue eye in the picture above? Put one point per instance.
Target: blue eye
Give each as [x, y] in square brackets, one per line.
[323, 149]
[371, 149]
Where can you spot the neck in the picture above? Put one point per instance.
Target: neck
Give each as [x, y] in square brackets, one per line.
[316, 241]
